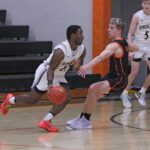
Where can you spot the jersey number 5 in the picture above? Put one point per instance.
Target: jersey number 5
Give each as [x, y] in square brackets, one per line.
[146, 35]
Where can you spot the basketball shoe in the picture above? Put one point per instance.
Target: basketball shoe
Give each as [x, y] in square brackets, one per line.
[125, 100]
[141, 98]
[6, 104]
[47, 125]
[72, 121]
[81, 123]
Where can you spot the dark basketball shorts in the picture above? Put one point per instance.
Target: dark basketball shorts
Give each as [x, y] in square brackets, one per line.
[116, 83]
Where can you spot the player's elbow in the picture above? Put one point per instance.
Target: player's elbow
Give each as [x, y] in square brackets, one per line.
[135, 48]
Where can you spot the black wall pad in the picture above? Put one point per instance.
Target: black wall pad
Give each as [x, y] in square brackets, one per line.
[75, 81]
[2, 16]
[14, 65]
[20, 48]
[14, 31]
[14, 83]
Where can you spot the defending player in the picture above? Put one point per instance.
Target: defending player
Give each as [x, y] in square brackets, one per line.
[115, 80]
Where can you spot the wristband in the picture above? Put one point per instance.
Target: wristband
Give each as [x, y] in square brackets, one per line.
[50, 82]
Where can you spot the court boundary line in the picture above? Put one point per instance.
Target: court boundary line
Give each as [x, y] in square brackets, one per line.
[112, 118]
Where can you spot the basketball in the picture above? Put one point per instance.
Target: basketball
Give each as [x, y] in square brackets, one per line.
[57, 94]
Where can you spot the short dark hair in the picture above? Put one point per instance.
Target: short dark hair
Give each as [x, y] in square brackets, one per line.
[118, 22]
[72, 29]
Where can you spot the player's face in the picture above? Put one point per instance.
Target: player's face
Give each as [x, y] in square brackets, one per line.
[79, 37]
[146, 7]
[113, 31]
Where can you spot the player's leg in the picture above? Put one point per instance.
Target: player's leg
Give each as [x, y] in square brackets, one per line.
[135, 65]
[147, 80]
[95, 91]
[58, 108]
[46, 122]
[141, 93]
[10, 99]
[38, 88]
[30, 98]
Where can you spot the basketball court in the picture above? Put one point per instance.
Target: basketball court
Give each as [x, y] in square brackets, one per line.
[36, 27]
[114, 128]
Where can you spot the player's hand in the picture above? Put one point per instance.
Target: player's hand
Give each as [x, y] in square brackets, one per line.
[131, 56]
[82, 71]
[76, 63]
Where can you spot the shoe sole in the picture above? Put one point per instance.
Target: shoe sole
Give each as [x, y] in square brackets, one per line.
[70, 128]
[49, 130]
[45, 128]
[89, 127]
[5, 109]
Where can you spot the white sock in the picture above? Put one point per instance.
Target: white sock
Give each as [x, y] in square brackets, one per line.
[12, 100]
[125, 92]
[142, 90]
[48, 117]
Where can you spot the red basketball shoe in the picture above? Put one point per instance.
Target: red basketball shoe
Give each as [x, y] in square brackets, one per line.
[47, 125]
[6, 104]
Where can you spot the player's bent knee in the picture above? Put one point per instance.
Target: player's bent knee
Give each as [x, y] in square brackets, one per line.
[91, 89]
[134, 72]
[67, 100]
[32, 100]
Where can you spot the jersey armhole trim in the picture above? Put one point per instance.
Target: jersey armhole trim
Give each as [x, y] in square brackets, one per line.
[121, 50]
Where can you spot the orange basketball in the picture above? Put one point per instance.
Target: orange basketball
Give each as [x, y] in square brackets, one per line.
[57, 94]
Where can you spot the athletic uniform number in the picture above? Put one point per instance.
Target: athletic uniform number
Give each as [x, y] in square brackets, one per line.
[63, 69]
[146, 35]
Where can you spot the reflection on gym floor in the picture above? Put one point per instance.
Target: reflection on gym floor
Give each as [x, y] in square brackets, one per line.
[114, 128]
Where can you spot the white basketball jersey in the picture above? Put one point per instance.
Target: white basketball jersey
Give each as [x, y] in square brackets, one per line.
[142, 33]
[69, 56]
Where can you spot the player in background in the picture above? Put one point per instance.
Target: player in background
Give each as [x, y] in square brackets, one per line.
[139, 33]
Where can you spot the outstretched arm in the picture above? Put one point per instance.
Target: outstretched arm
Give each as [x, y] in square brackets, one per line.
[108, 51]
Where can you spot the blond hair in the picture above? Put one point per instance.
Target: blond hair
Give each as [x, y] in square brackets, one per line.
[118, 22]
